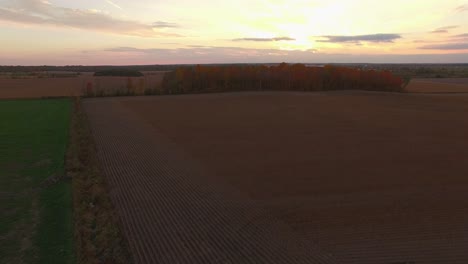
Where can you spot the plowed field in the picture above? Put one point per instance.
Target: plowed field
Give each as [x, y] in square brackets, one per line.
[440, 85]
[75, 86]
[347, 177]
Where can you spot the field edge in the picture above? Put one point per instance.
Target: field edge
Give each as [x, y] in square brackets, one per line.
[97, 232]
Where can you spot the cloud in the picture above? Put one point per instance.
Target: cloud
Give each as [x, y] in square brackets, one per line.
[461, 8]
[439, 31]
[211, 54]
[377, 38]
[214, 54]
[128, 49]
[447, 46]
[113, 4]
[198, 47]
[421, 41]
[162, 24]
[207, 54]
[443, 30]
[461, 36]
[265, 39]
[38, 12]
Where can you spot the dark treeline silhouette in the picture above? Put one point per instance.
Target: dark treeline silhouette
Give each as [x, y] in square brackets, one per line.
[79, 68]
[406, 71]
[119, 72]
[286, 77]
[84, 68]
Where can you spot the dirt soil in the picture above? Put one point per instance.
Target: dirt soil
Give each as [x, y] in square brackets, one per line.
[366, 177]
[74, 86]
[438, 85]
[172, 213]
[37, 88]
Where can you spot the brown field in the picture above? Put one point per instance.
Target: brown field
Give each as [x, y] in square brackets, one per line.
[440, 85]
[352, 177]
[73, 86]
[33, 87]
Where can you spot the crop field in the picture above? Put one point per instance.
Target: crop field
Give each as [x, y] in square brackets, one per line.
[339, 177]
[11, 88]
[438, 85]
[36, 222]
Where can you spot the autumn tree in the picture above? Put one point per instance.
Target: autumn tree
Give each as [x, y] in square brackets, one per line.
[287, 77]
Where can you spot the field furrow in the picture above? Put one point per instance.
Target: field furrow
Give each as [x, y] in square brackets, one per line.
[288, 177]
[171, 213]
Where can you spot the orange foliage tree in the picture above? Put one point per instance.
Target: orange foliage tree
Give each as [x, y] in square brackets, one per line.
[285, 77]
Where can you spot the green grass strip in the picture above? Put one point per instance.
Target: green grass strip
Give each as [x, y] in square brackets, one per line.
[35, 196]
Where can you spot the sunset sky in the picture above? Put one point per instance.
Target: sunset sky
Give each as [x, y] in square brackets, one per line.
[122, 32]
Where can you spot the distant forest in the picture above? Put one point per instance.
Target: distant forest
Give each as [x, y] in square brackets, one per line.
[79, 68]
[119, 72]
[406, 71]
[283, 77]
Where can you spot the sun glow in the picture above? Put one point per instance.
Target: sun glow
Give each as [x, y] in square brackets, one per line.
[163, 28]
[317, 20]
[301, 42]
[299, 33]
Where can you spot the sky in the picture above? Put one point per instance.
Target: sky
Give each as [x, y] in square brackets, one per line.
[131, 32]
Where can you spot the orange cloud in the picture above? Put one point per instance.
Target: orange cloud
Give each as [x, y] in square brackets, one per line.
[37, 12]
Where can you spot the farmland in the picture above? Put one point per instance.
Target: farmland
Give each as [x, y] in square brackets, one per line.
[36, 222]
[439, 85]
[260, 173]
[354, 177]
[233, 132]
[73, 82]
[76, 86]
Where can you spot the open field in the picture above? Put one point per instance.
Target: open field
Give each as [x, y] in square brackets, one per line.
[75, 86]
[438, 85]
[34, 87]
[172, 213]
[354, 177]
[36, 222]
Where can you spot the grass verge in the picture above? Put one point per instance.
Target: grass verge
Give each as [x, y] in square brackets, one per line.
[98, 237]
[35, 196]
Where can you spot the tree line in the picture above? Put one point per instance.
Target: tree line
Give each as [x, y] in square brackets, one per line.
[282, 77]
[80, 68]
[119, 72]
